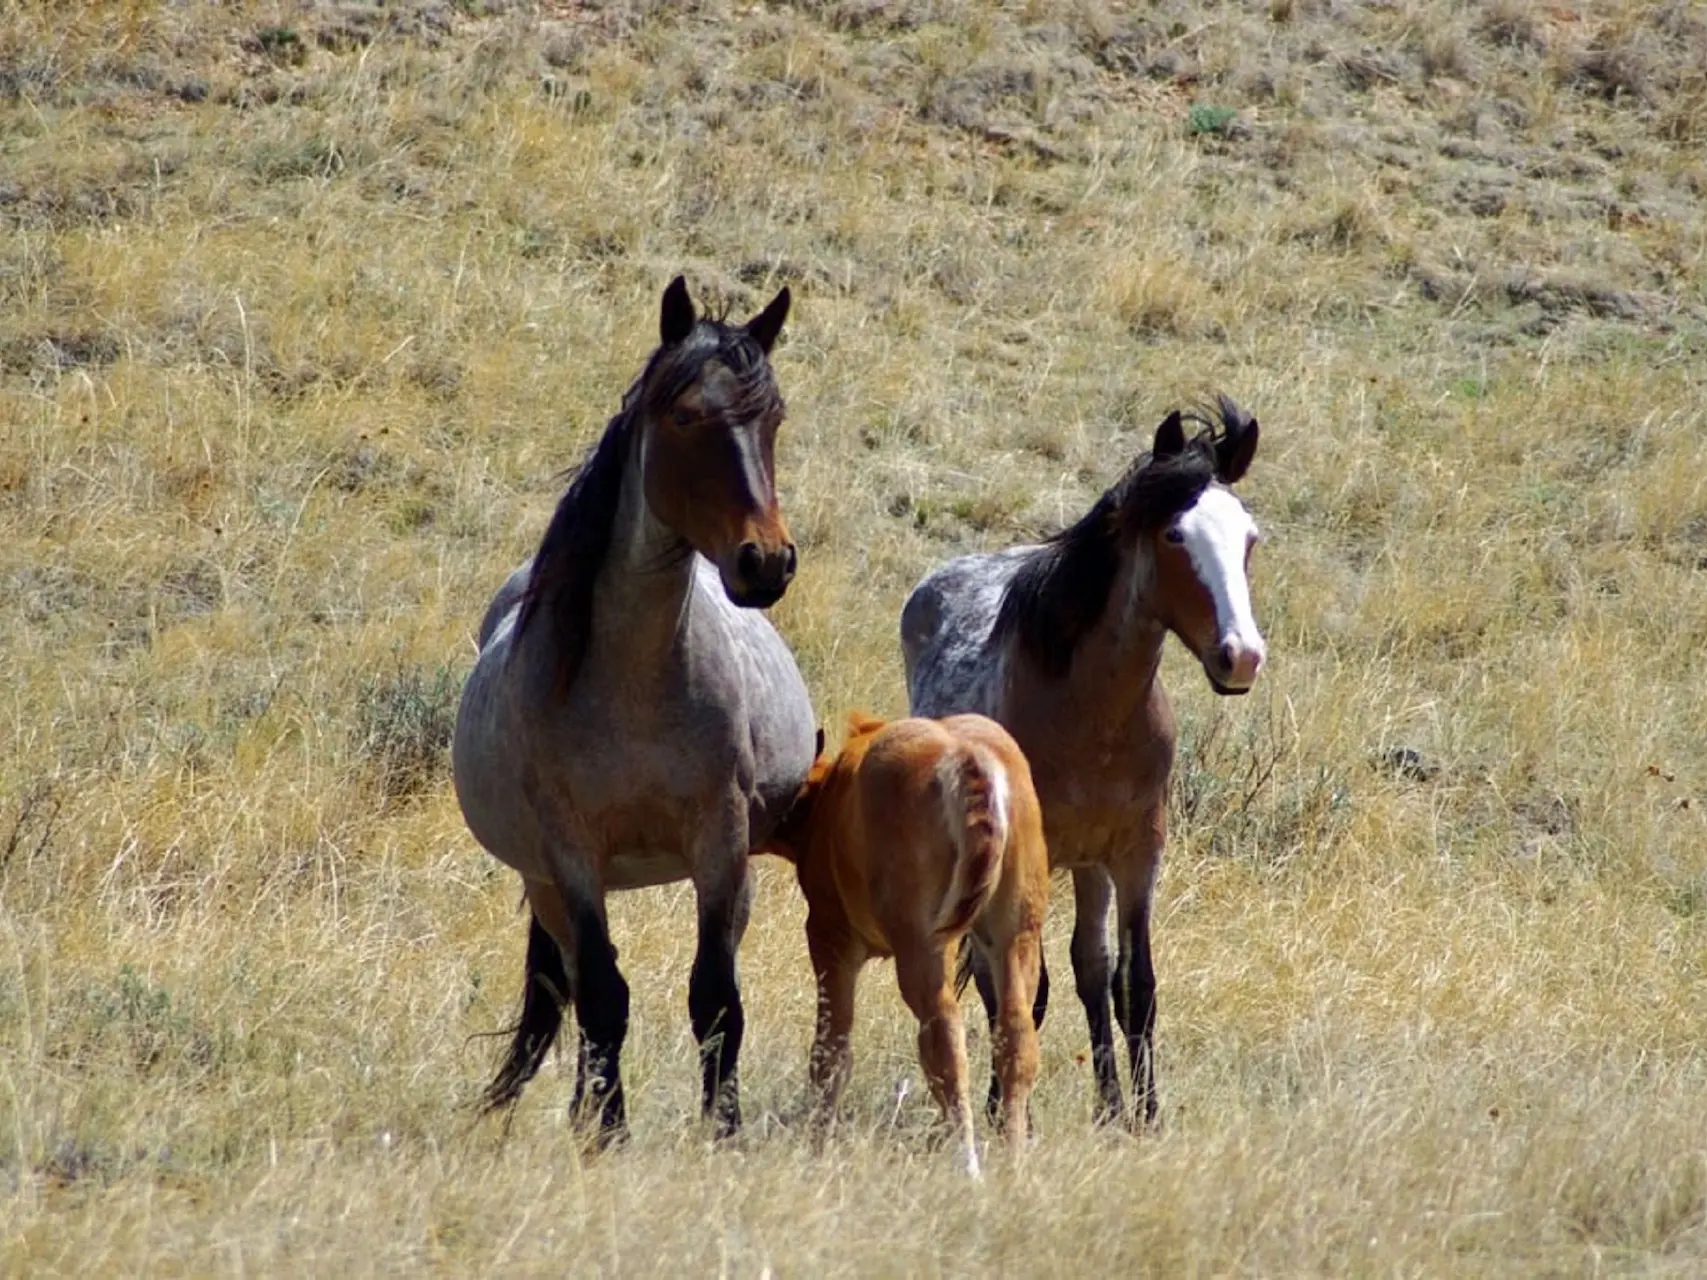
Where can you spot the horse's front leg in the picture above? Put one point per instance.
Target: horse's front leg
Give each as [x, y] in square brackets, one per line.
[1135, 974]
[725, 893]
[1092, 891]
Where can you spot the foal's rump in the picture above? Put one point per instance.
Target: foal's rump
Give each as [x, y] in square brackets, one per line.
[941, 804]
[974, 795]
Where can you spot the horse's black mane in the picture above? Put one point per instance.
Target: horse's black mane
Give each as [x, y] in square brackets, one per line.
[1058, 595]
[575, 543]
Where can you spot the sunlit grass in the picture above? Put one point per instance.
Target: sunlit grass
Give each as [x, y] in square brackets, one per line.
[298, 332]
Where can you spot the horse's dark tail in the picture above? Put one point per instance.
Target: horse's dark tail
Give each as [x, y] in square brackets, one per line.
[963, 968]
[544, 994]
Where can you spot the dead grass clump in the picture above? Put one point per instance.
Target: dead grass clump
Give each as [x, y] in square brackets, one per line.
[1513, 23]
[1153, 295]
[52, 354]
[133, 1025]
[1443, 48]
[998, 90]
[403, 723]
[1619, 69]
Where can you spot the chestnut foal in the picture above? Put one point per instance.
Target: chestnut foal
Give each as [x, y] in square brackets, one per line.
[918, 833]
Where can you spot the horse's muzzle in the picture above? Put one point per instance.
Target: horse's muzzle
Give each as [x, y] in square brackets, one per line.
[1232, 668]
[759, 577]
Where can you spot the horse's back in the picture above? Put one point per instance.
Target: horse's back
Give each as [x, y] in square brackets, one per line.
[946, 633]
[503, 605]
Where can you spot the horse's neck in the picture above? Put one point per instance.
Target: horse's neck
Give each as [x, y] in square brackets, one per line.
[646, 583]
[1115, 664]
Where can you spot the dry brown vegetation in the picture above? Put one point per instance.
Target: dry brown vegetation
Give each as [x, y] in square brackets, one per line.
[303, 308]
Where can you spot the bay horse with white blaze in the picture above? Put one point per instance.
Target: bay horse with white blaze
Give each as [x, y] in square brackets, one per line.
[1061, 643]
[917, 834]
[633, 718]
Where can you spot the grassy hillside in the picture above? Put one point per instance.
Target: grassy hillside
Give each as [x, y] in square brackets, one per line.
[304, 308]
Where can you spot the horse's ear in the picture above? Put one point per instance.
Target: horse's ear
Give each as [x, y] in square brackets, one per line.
[819, 750]
[676, 317]
[768, 323]
[1234, 451]
[1170, 436]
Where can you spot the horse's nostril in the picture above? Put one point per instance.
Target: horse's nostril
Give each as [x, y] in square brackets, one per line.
[1224, 655]
[790, 561]
[748, 560]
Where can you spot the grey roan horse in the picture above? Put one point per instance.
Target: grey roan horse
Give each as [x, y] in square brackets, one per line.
[632, 718]
[1061, 643]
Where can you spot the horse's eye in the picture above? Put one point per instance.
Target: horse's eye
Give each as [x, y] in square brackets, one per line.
[1175, 536]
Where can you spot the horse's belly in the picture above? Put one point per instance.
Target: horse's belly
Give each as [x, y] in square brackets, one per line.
[1078, 838]
[640, 870]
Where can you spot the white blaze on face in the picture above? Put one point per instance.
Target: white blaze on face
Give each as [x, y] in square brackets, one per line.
[1217, 533]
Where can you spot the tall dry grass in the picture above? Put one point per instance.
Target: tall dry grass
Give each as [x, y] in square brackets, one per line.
[303, 309]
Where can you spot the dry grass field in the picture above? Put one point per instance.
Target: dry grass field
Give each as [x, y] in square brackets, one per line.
[305, 307]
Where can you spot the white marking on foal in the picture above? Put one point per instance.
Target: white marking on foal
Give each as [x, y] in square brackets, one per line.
[1217, 531]
[998, 796]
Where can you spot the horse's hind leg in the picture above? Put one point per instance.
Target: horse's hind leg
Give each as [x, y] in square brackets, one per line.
[551, 928]
[1040, 1003]
[1092, 890]
[985, 980]
[546, 987]
[923, 971]
[1135, 1002]
[714, 995]
[601, 1007]
[1135, 976]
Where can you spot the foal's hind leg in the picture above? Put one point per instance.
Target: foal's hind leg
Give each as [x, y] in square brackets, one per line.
[725, 892]
[923, 971]
[1092, 890]
[985, 980]
[1014, 1048]
[836, 960]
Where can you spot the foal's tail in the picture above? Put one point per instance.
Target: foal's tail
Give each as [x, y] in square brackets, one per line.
[975, 808]
[544, 993]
